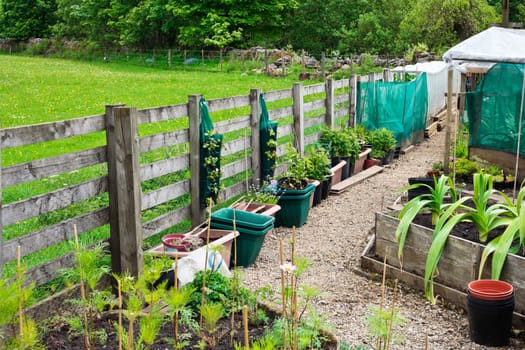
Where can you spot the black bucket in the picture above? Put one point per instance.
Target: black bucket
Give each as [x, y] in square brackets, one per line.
[490, 321]
[325, 188]
[318, 194]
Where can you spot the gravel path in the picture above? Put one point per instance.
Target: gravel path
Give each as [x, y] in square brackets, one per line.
[333, 241]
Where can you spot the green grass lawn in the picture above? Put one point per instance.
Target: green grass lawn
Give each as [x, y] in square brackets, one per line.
[36, 90]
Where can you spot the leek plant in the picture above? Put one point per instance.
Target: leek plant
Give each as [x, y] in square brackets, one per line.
[485, 217]
[515, 231]
[433, 201]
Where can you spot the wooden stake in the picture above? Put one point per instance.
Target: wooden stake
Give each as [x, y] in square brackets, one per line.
[19, 270]
[281, 260]
[119, 287]
[245, 322]
[82, 287]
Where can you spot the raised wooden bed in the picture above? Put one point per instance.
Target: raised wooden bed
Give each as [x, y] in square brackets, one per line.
[458, 265]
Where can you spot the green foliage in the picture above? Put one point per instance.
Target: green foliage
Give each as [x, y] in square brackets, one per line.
[441, 24]
[511, 240]
[24, 19]
[433, 201]
[296, 175]
[15, 297]
[384, 324]
[343, 142]
[89, 271]
[265, 194]
[382, 140]
[465, 168]
[485, 217]
[219, 290]
[445, 223]
[317, 163]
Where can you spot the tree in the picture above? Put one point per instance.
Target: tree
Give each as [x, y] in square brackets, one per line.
[90, 20]
[24, 19]
[148, 24]
[441, 24]
[258, 20]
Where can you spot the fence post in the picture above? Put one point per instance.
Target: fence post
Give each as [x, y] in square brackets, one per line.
[298, 116]
[255, 138]
[329, 117]
[194, 116]
[353, 99]
[169, 58]
[323, 64]
[266, 62]
[386, 75]
[125, 217]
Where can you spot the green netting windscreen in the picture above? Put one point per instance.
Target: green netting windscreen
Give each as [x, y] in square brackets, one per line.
[210, 157]
[493, 110]
[397, 106]
[268, 139]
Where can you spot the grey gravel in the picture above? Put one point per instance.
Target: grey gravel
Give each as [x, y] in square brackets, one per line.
[333, 240]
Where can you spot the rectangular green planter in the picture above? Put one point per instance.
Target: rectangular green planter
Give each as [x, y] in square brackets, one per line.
[242, 218]
[248, 245]
[252, 228]
[295, 206]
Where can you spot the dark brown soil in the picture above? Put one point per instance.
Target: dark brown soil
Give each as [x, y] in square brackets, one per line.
[466, 230]
[60, 335]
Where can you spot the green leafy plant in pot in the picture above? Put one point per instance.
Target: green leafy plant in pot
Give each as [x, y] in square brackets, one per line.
[318, 168]
[296, 177]
[383, 144]
[295, 191]
[345, 146]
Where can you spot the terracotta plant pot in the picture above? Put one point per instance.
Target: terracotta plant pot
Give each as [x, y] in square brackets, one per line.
[176, 243]
[370, 162]
[490, 289]
[337, 172]
[360, 161]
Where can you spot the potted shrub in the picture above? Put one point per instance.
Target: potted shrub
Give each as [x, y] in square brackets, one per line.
[318, 169]
[294, 191]
[383, 144]
[345, 146]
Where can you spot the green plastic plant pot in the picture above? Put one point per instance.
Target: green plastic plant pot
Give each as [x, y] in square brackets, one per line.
[294, 208]
[246, 219]
[247, 245]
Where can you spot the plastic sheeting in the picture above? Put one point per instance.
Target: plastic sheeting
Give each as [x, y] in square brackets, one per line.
[397, 106]
[493, 110]
[492, 45]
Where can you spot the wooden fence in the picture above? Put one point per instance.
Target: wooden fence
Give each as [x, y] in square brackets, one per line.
[124, 175]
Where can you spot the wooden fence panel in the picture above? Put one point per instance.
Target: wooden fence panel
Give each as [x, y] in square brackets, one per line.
[123, 181]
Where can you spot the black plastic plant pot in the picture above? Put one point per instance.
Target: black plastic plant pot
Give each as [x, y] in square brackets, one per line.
[413, 193]
[490, 321]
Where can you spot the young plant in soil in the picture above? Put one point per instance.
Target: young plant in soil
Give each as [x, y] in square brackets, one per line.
[14, 298]
[89, 272]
